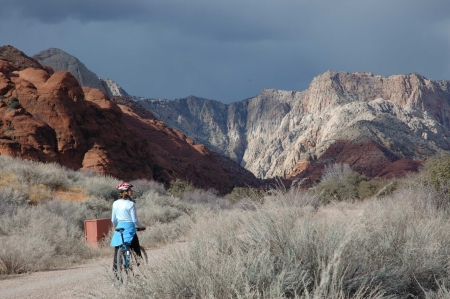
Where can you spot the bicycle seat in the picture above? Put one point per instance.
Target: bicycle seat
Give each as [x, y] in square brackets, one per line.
[120, 230]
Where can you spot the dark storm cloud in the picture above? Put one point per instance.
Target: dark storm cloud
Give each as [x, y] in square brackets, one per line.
[228, 20]
[230, 50]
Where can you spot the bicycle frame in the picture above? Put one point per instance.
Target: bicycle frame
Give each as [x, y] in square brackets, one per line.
[125, 256]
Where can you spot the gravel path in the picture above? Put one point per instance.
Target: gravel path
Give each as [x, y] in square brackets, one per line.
[89, 280]
[74, 282]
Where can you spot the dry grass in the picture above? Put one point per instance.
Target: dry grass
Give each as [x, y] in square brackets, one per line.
[71, 194]
[283, 246]
[394, 247]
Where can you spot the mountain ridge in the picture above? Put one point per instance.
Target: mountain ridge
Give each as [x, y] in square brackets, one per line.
[282, 133]
[381, 126]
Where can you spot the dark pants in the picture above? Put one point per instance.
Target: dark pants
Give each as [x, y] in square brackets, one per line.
[135, 246]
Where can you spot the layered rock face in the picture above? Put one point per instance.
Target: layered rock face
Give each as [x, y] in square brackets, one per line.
[381, 126]
[50, 117]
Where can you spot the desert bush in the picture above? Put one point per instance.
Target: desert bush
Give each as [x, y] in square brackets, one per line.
[33, 173]
[141, 186]
[239, 193]
[437, 169]
[167, 218]
[97, 207]
[396, 248]
[376, 186]
[178, 187]
[14, 103]
[34, 238]
[207, 198]
[424, 193]
[339, 183]
[153, 207]
[294, 196]
[101, 186]
[72, 212]
[18, 254]
[11, 199]
[436, 172]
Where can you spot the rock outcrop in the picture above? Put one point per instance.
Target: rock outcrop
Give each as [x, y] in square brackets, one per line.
[113, 89]
[49, 117]
[381, 126]
[59, 60]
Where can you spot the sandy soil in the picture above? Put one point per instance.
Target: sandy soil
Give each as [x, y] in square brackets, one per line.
[89, 280]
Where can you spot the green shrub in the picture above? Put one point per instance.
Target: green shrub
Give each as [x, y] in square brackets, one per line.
[339, 183]
[437, 172]
[376, 186]
[239, 193]
[178, 187]
[14, 103]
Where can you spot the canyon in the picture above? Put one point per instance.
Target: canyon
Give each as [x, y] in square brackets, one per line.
[381, 126]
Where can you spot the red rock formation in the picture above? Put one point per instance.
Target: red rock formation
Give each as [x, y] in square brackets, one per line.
[55, 120]
[367, 158]
[59, 122]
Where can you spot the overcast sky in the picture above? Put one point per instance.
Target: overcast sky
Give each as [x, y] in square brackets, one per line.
[230, 50]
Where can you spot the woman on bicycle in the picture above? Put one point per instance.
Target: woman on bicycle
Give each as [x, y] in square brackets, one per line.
[124, 216]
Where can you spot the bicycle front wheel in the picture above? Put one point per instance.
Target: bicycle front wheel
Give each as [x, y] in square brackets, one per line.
[144, 255]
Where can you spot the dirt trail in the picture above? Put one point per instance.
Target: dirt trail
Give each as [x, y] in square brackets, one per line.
[89, 280]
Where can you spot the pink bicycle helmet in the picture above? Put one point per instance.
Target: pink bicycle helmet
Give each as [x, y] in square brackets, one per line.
[124, 186]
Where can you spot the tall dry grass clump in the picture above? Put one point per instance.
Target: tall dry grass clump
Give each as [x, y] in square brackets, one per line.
[35, 238]
[394, 247]
[37, 230]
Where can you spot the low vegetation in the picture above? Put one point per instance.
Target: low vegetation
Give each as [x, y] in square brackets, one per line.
[348, 237]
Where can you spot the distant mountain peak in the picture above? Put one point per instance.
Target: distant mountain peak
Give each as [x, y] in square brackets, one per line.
[59, 60]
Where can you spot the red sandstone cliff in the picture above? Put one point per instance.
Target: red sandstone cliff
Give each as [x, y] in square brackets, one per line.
[56, 120]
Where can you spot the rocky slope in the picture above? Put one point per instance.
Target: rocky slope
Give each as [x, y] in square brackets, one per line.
[381, 126]
[176, 155]
[47, 116]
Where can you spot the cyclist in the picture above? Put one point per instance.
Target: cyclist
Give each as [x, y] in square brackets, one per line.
[124, 216]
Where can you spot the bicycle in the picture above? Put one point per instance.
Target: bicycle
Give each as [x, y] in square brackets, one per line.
[126, 257]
